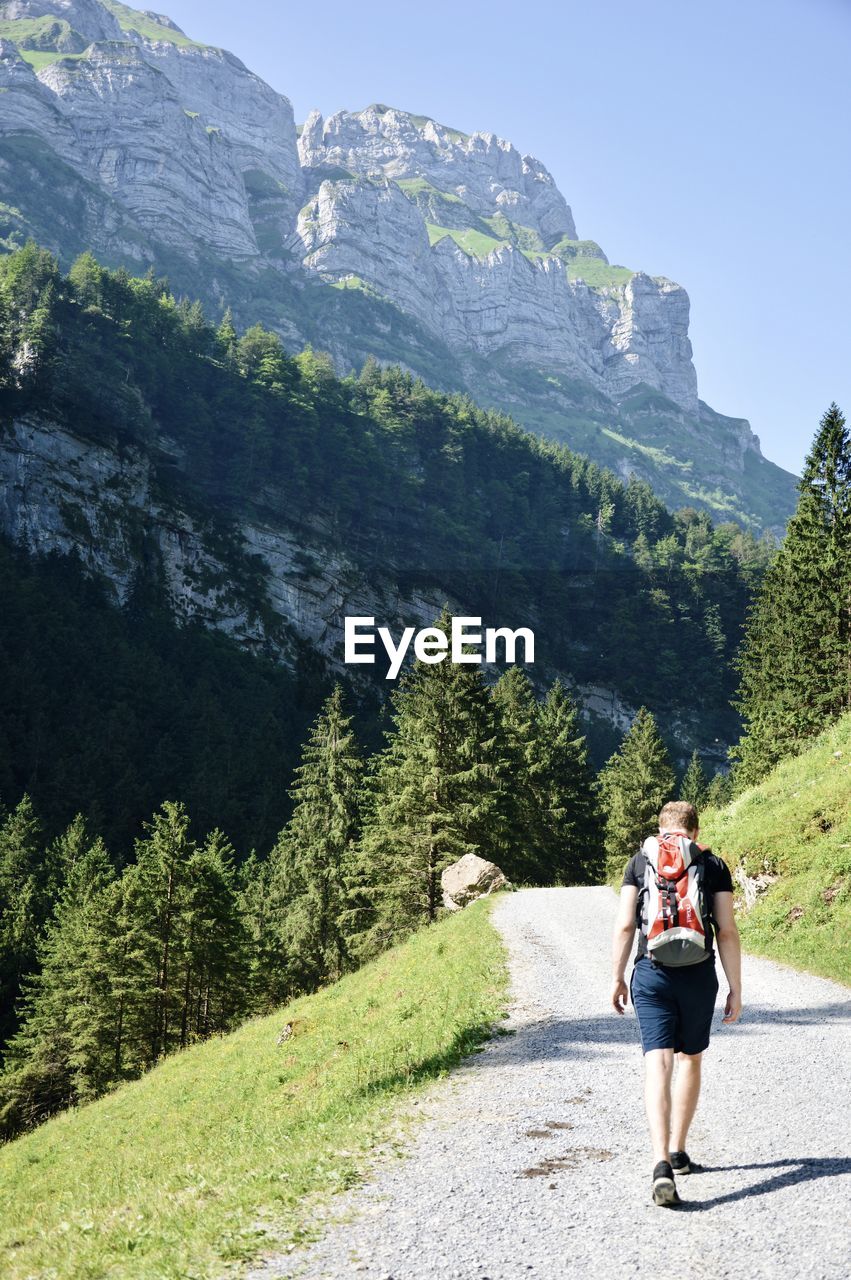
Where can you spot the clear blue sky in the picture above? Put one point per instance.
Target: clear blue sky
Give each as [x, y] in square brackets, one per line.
[704, 140]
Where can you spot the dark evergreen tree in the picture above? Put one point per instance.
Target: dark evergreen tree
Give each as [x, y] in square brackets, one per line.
[795, 662]
[312, 863]
[131, 969]
[45, 1067]
[695, 782]
[567, 805]
[438, 792]
[23, 906]
[719, 792]
[226, 338]
[267, 977]
[635, 784]
[214, 975]
[518, 713]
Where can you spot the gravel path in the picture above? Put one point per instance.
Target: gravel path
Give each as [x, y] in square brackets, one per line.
[532, 1160]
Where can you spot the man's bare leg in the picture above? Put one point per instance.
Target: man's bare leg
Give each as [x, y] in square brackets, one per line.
[685, 1094]
[658, 1069]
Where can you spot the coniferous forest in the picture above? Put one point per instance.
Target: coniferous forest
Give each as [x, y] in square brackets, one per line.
[193, 834]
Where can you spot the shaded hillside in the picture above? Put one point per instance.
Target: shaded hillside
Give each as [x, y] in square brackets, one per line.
[105, 711]
[269, 499]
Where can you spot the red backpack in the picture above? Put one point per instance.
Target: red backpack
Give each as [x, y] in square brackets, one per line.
[671, 910]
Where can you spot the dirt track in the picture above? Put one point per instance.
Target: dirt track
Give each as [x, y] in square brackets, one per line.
[532, 1159]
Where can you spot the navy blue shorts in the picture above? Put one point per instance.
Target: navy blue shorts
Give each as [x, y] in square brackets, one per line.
[674, 1006]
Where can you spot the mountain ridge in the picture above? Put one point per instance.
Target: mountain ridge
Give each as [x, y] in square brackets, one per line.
[376, 233]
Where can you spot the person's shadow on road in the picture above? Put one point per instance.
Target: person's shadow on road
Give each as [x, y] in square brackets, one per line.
[795, 1171]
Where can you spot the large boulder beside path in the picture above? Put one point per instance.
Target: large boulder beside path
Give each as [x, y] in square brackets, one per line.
[469, 878]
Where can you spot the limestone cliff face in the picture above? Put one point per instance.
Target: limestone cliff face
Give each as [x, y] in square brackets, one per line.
[60, 493]
[87, 17]
[486, 174]
[172, 131]
[373, 232]
[508, 289]
[528, 310]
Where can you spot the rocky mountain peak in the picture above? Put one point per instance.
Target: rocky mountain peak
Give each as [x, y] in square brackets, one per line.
[484, 172]
[162, 21]
[377, 232]
[87, 17]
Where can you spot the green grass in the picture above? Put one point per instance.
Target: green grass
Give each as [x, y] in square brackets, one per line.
[584, 260]
[29, 29]
[38, 58]
[661, 457]
[413, 186]
[472, 242]
[223, 1151]
[455, 134]
[524, 237]
[598, 274]
[797, 825]
[352, 282]
[131, 20]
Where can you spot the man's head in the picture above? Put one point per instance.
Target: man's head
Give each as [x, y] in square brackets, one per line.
[679, 815]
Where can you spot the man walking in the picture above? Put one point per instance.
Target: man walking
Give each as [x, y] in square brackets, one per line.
[677, 894]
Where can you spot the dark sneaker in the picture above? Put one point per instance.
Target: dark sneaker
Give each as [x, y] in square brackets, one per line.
[680, 1162]
[664, 1188]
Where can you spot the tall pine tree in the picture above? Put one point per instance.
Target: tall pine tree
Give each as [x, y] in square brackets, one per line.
[695, 784]
[313, 860]
[568, 814]
[42, 1065]
[23, 906]
[635, 784]
[437, 792]
[519, 716]
[795, 662]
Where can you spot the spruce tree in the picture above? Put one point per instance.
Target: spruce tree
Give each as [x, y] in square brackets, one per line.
[438, 791]
[215, 954]
[43, 1061]
[635, 783]
[795, 662]
[311, 864]
[226, 339]
[267, 980]
[23, 906]
[161, 904]
[132, 968]
[568, 813]
[183, 970]
[518, 713]
[695, 783]
[719, 792]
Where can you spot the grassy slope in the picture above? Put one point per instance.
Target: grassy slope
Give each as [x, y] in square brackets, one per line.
[797, 825]
[220, 1152]
[133, 20]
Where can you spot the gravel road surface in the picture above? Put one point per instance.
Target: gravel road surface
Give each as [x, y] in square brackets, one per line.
[532, 1158]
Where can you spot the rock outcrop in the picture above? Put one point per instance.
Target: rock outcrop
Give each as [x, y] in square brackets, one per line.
[62, 494]
[469, 878]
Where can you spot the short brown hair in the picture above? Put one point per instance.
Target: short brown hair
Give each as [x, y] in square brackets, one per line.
[678, 813]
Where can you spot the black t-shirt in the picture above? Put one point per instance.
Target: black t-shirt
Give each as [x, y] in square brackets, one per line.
[716, 879]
